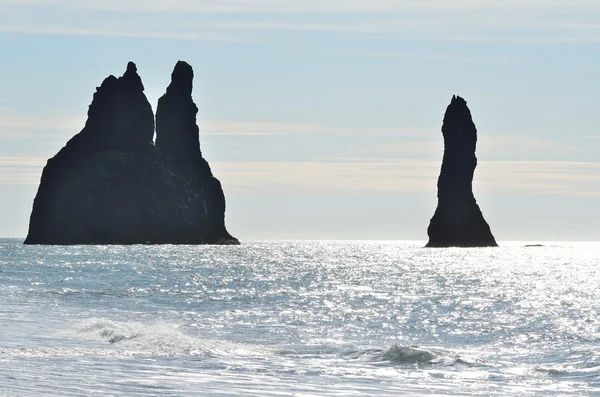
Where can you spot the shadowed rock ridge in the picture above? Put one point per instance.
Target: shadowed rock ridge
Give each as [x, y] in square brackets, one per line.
[458, 221]
[111, 185]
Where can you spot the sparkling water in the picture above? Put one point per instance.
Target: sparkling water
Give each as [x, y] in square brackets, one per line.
[300, 318]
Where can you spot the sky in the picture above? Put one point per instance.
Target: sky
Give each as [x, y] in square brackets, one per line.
[322, 118]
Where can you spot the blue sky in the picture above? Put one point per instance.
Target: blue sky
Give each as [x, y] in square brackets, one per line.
[322, 118]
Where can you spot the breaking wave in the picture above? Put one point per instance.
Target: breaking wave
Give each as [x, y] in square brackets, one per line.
[157, 339]
[410, 355]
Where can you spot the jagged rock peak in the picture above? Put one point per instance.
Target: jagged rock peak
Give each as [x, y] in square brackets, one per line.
[182, 78]
[458, 119]
[131, 78]
[120, 111]
[131, 67]
[458, 101]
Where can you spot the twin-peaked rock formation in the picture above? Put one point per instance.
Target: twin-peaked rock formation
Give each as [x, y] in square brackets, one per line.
[458, 221]
[112, 185]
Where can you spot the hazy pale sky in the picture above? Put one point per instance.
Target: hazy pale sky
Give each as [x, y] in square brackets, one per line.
[322, 118]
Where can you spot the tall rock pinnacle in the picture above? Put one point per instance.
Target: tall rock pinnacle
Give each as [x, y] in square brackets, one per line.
[111, 185]
[177, 134]
[177, 137]
[458, 221]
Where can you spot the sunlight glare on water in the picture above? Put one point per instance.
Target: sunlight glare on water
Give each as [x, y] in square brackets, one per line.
[300, 318]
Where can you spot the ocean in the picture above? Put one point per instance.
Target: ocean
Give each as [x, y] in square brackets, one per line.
[300, 318]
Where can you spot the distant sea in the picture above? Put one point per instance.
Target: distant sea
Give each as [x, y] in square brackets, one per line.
[300, 318]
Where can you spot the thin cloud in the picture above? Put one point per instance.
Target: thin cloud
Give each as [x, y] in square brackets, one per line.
[489, 146]
[441, 57]
[505, 177]
[359, 175]
[276, 128]
[254, 128]
[15, 161]
[61, 125]
[121, 32]
[15, 124]
[522, 145]
[22, 170]
[19, 178]
[227, 20]
[316, 6]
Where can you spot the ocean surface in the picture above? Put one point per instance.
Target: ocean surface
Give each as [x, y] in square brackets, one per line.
[300, 318]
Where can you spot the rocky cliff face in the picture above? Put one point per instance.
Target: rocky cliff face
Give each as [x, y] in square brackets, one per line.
[111, 185]
[458, 221]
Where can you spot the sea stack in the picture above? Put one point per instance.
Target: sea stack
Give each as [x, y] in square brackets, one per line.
[111, 185]
[458, 221]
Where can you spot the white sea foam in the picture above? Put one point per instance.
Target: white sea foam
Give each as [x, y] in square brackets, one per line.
[56, 352]
[158, 339]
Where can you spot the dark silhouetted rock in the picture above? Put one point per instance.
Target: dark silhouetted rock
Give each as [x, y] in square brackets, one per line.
[458, 221]
[177, 137]
[111, 185]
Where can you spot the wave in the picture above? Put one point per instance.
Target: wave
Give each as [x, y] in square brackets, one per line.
[162, 339]
[585, 369]
[411, 355]
[157, 339]
[406, 355]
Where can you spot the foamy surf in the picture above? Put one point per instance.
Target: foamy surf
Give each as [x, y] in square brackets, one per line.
[57, 352]
[157, 339]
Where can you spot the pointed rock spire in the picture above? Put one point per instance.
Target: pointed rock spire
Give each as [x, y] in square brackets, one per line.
[131, 78]
[182, 79]
[177, 137]
[177, 134]
[458, 221]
